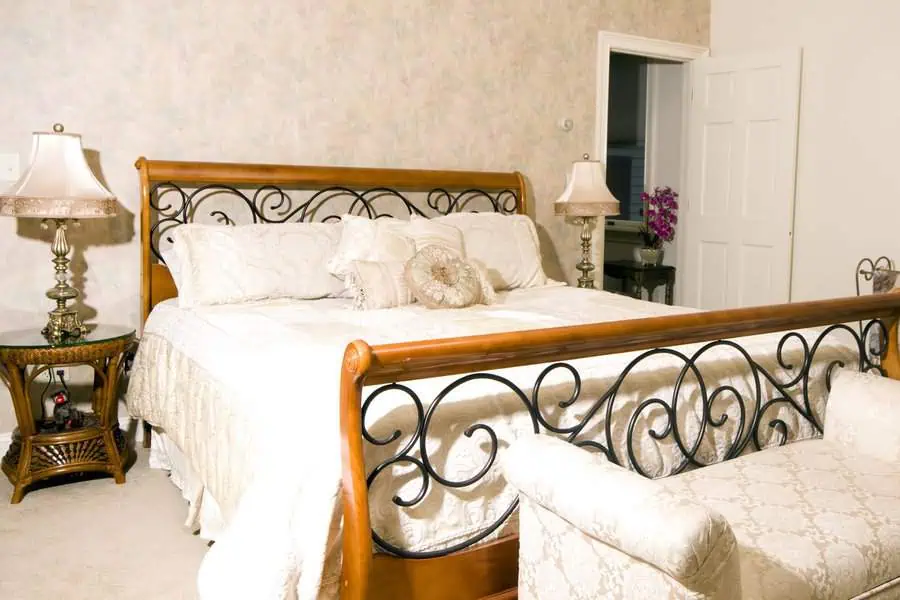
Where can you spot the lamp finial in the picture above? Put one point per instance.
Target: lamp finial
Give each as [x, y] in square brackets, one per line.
[58, 128]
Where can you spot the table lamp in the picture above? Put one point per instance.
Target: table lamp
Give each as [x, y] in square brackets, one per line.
[585, 198]
[58, 186]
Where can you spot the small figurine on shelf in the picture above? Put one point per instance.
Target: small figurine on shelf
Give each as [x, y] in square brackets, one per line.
[65, 415]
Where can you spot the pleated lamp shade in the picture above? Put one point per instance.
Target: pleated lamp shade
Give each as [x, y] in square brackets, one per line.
[58, 183]
[586, 194]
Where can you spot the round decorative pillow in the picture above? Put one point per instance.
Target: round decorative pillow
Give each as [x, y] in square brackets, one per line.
[439, 278]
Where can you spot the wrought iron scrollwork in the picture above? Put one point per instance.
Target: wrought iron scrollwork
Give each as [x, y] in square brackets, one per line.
[756, 412]
[176, 205]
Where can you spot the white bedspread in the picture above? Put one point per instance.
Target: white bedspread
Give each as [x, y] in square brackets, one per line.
[249, 393]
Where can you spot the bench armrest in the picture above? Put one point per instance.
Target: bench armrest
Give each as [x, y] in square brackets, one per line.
[863, 413]
[621, 509]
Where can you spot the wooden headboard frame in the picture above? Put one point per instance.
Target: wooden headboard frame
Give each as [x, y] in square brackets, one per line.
[454, 189]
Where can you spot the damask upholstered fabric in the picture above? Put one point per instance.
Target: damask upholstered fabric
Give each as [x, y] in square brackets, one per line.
[558, 561]
[220, 264]
[682, 546]
[439, 278]
[864, 413]
[812, 520]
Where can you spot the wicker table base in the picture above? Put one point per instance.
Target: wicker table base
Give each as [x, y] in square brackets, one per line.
[38, 450]
[75, 451]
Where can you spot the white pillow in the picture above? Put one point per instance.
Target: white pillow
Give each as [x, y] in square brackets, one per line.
[507, 245]
[222, 264]
[428, 232]
[862, 414]
[376, 240]
[377, 284]
[170, 257]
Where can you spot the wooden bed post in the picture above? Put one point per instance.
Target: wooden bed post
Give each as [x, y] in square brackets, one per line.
[892, 358]
[357, 533]
[144, 176]
[891, 362]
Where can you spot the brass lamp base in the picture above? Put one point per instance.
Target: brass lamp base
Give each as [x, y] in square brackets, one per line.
[63, 321]
[586, 266]
[63, 325]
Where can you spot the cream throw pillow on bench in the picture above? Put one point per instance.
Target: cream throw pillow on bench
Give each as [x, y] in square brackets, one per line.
[223, 264]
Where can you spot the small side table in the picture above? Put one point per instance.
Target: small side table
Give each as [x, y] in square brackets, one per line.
[38, 451]
[636, 276]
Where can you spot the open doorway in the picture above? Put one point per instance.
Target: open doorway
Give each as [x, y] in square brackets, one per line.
[644, 141]
[641, 135]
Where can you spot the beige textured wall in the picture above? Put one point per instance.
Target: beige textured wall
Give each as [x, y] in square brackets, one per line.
[466, 84]
[846, 206]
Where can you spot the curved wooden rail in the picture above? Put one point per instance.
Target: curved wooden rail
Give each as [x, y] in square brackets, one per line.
[368, 365]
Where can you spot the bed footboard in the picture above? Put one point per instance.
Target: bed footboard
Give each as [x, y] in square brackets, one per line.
[473, 569]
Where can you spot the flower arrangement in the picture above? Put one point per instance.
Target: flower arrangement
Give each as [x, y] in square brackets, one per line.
[660, 216]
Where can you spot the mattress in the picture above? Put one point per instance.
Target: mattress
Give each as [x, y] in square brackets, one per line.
[249, 395]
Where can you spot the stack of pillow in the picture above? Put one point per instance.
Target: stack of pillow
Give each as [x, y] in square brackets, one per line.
[447, 262]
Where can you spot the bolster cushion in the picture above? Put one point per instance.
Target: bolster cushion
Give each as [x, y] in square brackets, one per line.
[863, 413]
[675, 534]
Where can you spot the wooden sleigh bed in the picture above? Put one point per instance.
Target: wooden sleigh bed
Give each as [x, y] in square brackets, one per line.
[479, 566]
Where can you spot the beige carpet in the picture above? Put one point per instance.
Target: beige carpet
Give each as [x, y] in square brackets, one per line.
[96, 540]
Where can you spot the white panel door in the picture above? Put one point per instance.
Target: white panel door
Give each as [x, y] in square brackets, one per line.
[738, 213]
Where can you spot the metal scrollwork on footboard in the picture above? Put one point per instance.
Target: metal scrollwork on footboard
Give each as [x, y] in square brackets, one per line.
[775, 398]
[176, 205]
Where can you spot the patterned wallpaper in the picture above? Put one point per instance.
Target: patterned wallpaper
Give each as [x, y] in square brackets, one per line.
[466, 84]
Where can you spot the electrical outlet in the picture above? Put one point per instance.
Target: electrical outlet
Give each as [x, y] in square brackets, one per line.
[61, 374]
[9, 167]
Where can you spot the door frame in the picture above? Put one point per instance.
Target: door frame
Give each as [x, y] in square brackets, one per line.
[622, 43]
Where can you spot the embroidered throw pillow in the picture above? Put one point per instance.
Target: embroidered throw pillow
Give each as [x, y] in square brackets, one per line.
[439, 278]
[375, 284]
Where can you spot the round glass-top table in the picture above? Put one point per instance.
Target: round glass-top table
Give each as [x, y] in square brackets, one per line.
[33, 338]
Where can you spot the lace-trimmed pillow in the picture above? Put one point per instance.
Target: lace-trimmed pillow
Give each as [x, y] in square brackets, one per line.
[377, 284]
[439, 278]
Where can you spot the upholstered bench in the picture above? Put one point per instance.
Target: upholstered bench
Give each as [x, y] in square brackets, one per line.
[810, 520]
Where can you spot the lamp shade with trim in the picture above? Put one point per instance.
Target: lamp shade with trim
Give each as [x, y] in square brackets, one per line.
[58, 183]
[586, 194]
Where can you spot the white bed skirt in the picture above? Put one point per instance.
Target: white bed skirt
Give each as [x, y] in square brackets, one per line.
[204, 515]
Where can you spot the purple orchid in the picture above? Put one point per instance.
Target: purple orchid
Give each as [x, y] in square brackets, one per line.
[660, 216]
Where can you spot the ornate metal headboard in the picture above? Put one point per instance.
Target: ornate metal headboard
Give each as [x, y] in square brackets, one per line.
[174, 193]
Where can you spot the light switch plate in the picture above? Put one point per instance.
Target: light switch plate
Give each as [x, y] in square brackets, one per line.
[9, 167]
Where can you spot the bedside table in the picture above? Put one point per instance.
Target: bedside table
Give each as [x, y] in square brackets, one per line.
[38, 450]
[636, 276]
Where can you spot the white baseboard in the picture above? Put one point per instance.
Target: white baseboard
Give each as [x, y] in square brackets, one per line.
[124, 424]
